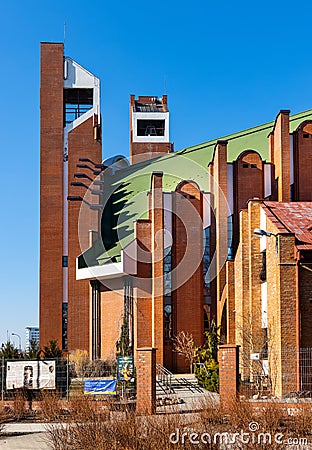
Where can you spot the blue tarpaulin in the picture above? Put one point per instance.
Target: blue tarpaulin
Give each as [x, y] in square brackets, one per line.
[100, 387]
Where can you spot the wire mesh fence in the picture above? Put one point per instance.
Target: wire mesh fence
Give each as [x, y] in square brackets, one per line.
[64, 376]
[285, 374]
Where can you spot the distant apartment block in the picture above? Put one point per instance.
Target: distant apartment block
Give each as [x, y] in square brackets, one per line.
[31, 333]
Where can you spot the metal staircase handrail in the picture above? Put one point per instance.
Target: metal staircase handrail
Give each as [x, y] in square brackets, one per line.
[164, 376]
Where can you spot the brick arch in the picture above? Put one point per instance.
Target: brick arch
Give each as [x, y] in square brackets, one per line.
[250, 157]
[302, 158]
[248, 183]
[248, 178]
[189, 188]
[305, 127]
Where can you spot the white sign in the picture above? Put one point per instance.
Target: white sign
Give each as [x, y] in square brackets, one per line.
[30, 374]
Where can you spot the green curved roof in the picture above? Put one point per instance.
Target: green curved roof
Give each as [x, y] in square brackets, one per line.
[127, 189]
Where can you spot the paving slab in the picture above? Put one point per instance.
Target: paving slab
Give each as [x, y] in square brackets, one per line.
[30, 441]
[18, 428]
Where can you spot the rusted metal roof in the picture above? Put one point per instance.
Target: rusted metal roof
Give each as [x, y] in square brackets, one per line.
[293, 217]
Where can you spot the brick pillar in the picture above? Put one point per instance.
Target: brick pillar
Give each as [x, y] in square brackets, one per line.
[280, 151]
[146, 380]
[142, 292]
[228, 372]
[51, 192]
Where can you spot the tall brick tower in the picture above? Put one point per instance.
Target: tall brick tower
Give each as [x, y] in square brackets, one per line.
[149, 128]
[69, 130]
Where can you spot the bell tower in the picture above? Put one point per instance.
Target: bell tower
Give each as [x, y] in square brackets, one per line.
[149, 128]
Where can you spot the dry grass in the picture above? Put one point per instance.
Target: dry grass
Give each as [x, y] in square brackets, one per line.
[88, 428]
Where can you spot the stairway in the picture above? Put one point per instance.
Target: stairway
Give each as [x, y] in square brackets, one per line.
[167, 383]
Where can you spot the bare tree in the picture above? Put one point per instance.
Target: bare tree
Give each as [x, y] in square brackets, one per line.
[80, 361]
[261, 341]
[183, 344]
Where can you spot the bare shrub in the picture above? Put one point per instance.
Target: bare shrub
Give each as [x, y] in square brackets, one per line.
[183, 343]
[210, 412]
[3, 419]
[58, 436]
[20, 409]
[88, 429]
[50, 406]
[301, 419]
[82, 367]
[98, 368]
[239, 413]
[79, 361]
[272, 417]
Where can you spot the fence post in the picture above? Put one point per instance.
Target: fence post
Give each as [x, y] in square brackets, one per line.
[146, 380]
[228, 372]
[2, 379]
[67, 379]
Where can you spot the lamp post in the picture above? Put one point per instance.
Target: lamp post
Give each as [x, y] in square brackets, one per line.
[20, 340]
[260, 232]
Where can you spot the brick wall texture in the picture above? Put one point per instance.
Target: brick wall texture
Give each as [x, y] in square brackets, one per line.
[81, 219]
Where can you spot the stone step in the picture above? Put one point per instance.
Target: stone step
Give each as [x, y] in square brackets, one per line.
[180, 384]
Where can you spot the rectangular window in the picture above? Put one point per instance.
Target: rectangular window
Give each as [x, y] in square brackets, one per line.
[167, 271]
[76, 103]
[263, 273]
[150, 127]
[230, 237]
[264, 305]
[168, 320]
[65, 261]
[206, 258]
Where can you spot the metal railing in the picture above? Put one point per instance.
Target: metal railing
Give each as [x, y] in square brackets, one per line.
[282, 374]
[164, 376]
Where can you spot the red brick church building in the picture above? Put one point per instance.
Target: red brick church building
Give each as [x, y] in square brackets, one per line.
[165, 243]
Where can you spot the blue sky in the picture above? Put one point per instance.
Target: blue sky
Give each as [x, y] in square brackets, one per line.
[228, 66]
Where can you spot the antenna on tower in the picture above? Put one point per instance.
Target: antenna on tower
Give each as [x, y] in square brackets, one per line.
[64, 33]
[165, 85]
